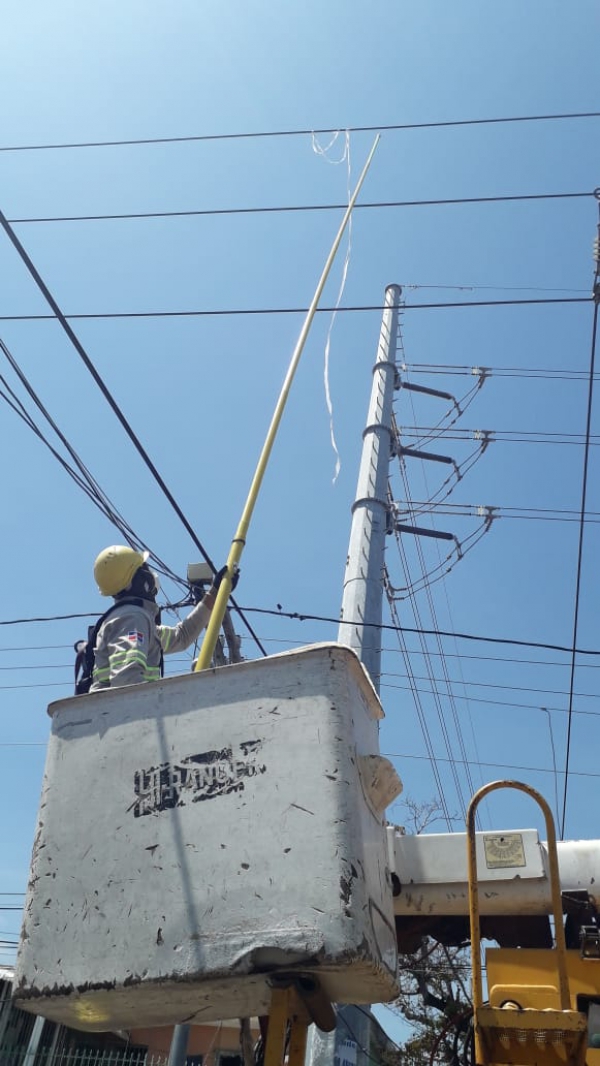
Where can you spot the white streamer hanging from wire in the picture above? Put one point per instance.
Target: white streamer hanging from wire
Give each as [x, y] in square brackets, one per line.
[345, 157]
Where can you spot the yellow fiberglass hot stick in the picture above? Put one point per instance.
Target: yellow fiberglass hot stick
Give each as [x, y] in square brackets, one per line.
[239, 541]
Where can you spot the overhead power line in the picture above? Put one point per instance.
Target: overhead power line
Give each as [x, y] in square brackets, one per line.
[536, 373]
[50, 618]
[454, 681]
[301, 208]
[257, 311]
[425, 758]
[582, 520]
[439, 758]
[58, 314]
[495, 765]
[476, 510]
[79, 472]
[434, 691]
[411, 286]
[388, 650]
[298, 616]
[253, 135]
[425, 434]
[413, 687]
[437, 687]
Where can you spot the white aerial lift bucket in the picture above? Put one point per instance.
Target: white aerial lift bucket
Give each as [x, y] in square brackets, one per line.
[200, 835]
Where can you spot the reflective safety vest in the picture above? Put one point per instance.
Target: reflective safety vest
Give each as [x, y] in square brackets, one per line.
[130, 643]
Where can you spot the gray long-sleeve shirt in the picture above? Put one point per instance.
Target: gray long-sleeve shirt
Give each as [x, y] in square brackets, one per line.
[130, 643]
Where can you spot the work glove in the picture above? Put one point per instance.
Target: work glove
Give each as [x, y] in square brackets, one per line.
[217, 579]
[197, 592]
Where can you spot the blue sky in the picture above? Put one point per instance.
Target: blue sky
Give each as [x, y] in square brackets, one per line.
[199, 391]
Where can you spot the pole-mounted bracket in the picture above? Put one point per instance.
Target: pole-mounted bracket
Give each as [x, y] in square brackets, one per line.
[432, 456]
[397, 449]
[429, 392]
[422, 531]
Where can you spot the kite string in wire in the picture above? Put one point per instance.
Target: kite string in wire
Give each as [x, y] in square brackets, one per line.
[323, 152]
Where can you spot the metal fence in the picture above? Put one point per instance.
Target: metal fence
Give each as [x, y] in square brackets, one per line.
[79, 1056]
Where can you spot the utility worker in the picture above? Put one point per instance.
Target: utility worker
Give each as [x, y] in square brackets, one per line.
[131, 642]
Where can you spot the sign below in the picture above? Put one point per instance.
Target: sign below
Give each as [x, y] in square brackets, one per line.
[503, 850]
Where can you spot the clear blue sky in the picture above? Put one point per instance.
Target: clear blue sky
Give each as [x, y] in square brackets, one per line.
[199, 391]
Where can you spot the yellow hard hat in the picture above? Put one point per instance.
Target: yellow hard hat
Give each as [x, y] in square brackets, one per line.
[115, 567]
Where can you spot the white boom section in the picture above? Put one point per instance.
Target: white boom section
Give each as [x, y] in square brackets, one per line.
[512, 868]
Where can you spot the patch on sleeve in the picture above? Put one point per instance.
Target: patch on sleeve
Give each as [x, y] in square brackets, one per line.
[134, 637]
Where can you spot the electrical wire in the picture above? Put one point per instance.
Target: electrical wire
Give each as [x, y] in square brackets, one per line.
[459, 470]
[58, 314]
[386, 650]
[302, 617]
[472, 510]
[427, 662]
[50, 618]
[422, 718]
[582, 521]
[400, 756]
[226, 312]
[514, 436]
[541, 373]
[441, 651]
[412, 687]
[546, 711]
[253, 135]
[505, 703]
[449, 655]
[460, 548]
[299, 208]
[82, 476]
[446, 565]
[413, 286]
[35, 647]
[493, 765]
[573, 642]
[456, 410]
[470, 684]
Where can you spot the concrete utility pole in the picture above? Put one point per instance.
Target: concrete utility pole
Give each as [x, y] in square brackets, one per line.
[363, 579]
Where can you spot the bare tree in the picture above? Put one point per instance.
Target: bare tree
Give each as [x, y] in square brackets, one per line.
[434, 996]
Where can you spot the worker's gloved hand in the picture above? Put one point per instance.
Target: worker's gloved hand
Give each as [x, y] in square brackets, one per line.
[197, 592]
[217, 579]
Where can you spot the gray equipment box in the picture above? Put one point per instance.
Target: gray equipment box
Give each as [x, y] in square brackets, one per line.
[198, 834]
